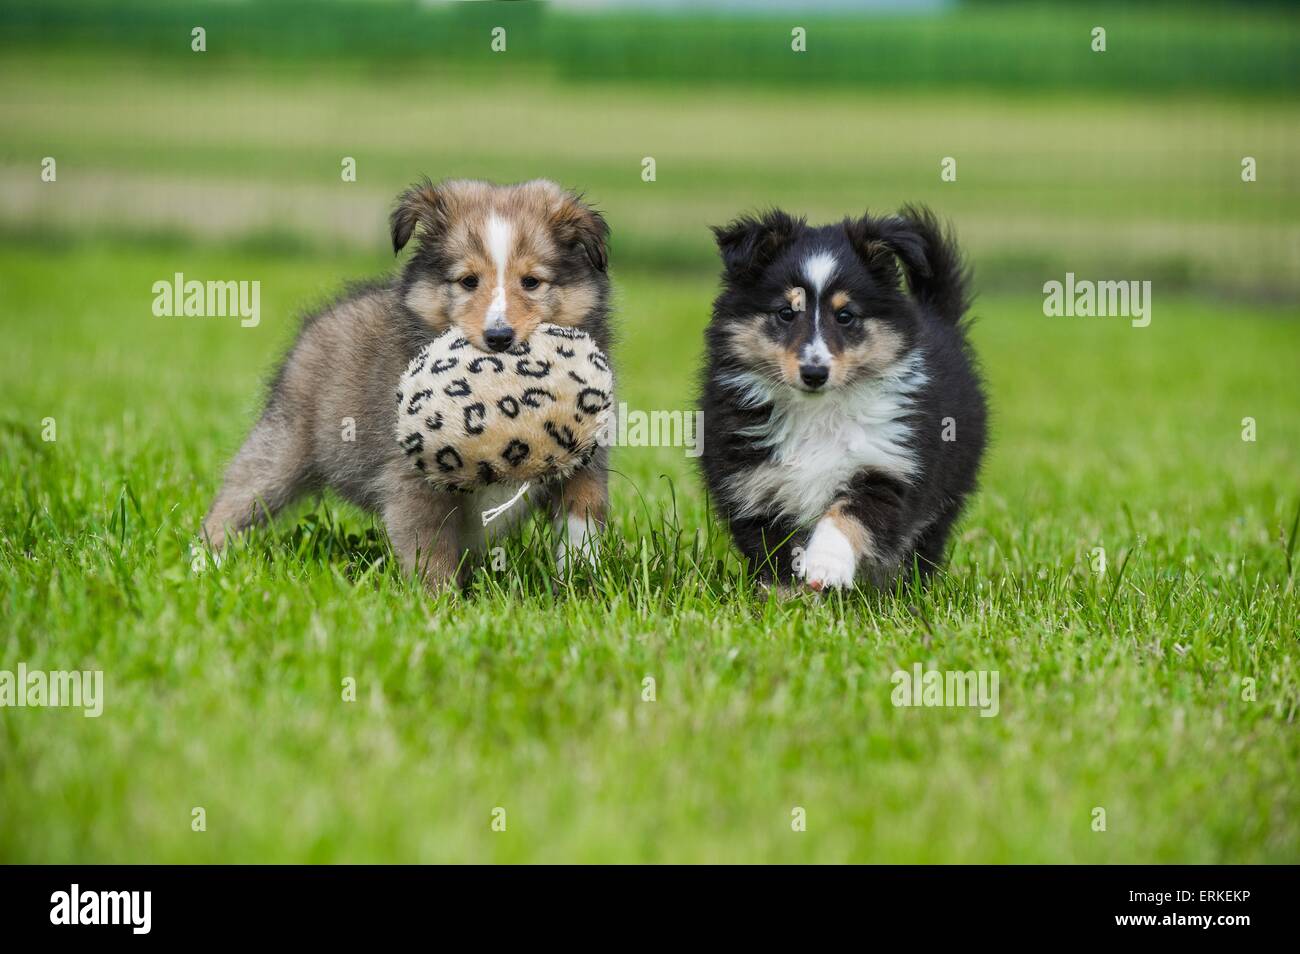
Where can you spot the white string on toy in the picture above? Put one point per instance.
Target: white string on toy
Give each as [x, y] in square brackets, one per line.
[493, 513]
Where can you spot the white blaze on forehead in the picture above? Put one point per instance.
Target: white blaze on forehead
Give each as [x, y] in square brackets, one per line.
[499, 234]
[818, 269]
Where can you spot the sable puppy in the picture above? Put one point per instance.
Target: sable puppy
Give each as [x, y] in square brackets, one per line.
[844, 415]
[494, 261]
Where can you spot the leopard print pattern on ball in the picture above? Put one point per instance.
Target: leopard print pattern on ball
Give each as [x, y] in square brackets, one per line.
[467, 418]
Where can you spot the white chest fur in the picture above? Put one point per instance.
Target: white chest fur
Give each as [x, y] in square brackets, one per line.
[817, 442]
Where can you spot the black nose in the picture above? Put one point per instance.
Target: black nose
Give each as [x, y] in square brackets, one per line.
[498, 339]
[814, 375]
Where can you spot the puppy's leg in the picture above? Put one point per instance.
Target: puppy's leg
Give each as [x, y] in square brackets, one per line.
[862, 529]
[583, 504]
[768, 544]
[271, 470]
[932, 545]
[423, 526]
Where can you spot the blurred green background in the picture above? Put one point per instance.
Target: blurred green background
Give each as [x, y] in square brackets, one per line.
[1066, 157]
[1122, 691]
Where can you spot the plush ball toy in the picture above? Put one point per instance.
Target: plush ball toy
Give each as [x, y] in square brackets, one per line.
[467, 418]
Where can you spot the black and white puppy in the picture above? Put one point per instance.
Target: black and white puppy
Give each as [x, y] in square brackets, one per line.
[844, 417]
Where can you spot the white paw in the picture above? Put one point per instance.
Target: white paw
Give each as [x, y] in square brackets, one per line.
[828, 560]
[581, 543]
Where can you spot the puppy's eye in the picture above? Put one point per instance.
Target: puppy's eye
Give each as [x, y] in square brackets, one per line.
[530, 282]
[844, 316]
[469, 282]
[786, 313]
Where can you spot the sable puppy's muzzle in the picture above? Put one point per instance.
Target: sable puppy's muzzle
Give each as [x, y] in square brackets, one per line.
[499, 338]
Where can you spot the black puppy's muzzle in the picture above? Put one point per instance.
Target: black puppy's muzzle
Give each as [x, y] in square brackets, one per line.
[814, 375]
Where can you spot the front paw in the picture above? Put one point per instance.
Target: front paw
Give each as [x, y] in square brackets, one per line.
[828, 561]
[580, 543]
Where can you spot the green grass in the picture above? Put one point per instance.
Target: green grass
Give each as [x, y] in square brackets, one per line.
[224, 687]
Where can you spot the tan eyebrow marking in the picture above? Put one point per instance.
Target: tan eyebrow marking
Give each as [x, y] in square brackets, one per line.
[797, 298]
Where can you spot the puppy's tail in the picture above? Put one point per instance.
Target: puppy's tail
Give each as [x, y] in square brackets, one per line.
[937, 274]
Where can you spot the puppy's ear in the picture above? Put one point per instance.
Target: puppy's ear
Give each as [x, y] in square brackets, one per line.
[422, 205]
[936, 273]
[574, 222]
[884, 244]
[749, 244]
